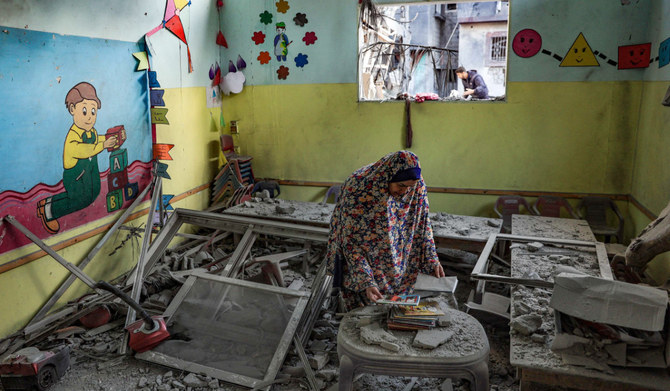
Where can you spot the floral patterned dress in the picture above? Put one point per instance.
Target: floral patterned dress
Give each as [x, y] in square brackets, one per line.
[378, 239]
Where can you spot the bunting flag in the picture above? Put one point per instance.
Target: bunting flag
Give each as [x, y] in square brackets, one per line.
[143, 59]
[156, 97]
[161, 170]
[162, 151]
[158, 116]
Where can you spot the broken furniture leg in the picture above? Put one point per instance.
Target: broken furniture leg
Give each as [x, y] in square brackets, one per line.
[653, 240]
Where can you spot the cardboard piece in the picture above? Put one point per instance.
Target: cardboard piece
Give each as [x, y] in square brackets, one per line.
[611, 302]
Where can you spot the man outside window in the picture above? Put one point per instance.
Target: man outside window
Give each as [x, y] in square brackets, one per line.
[473, 83]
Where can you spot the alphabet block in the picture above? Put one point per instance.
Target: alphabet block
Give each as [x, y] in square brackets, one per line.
[118, 160]
[131, 190]
[114, 200]
[117, 180]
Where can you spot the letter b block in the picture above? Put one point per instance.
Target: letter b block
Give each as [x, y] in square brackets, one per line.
[114, 200]
[118, 160]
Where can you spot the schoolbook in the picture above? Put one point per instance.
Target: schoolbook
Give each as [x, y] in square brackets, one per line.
[411, 300]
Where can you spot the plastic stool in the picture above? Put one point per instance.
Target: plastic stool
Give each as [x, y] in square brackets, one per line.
[465, 355]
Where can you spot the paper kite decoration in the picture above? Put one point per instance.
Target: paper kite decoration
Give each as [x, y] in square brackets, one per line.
[172, 22]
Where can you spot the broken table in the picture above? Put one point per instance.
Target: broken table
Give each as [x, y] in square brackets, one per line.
[539, 367]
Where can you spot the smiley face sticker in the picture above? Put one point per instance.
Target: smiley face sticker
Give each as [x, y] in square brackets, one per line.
[634, 56]
[580, 54]
[527, 43]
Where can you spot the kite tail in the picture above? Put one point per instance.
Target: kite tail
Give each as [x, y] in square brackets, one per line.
[190, 64]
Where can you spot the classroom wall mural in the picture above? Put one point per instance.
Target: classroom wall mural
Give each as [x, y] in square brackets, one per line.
[76, 145]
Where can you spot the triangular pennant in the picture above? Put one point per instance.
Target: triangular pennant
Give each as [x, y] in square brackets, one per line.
[181, 3]
[176, 28]
[221, 40]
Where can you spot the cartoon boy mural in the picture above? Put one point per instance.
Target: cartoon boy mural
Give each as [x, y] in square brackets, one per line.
[281, 42]
[81, 177]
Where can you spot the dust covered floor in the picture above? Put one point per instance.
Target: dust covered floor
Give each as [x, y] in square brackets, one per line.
[96, 367]
[96, 364]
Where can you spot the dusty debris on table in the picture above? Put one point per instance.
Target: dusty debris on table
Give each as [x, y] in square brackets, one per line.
[430, 339]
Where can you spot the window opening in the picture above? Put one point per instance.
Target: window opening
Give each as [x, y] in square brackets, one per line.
[407, 50]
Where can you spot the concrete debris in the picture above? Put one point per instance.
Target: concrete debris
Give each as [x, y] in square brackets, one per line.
[374, 334]
[328, 374]
[492, 223]
[534, 246]
[319, 360]
[284, 210]
[430, 339]
[526, 324]
[193, 380]
[444, 320]
[394, 347]
[447, 386]
[295, 371]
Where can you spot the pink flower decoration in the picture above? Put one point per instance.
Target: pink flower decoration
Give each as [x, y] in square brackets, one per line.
[309, 38]
[258, 37]
[282, 72]
[264, 57]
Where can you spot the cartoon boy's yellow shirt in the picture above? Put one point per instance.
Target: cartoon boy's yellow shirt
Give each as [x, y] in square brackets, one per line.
[75, 148]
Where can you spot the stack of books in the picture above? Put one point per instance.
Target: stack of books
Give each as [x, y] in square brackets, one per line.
[420, 317]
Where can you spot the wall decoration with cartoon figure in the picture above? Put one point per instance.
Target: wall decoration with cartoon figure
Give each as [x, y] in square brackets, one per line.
[61, 170]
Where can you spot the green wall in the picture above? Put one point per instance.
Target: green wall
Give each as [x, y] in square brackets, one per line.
[561, 137]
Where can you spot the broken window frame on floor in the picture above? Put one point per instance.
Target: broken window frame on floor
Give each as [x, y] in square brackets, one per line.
[479, 272]
[250, 228]
[232, 377]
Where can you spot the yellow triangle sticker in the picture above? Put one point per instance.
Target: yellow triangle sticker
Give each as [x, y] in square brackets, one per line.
[580, 54]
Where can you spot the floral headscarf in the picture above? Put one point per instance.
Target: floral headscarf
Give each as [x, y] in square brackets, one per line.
[384, 241]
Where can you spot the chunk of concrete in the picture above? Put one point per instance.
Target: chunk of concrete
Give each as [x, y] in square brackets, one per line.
[394, 347]
[526, 324]
[319, 360]
[430, 339]
[534, 246]
[374, 334]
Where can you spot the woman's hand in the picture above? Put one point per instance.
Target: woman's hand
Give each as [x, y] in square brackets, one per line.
[439, 272]
[373, 294]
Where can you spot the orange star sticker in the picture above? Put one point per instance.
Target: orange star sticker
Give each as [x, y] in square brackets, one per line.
[282, 6]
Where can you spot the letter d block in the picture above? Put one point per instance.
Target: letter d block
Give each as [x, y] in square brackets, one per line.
[118, 160]
[131, 191]
[114, 200]
[117, 180]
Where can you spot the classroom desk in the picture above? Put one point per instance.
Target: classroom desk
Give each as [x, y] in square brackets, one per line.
[468, 233]
[540, 368]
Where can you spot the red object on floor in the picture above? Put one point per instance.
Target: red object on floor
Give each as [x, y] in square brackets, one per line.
[141, 339]
[100, 316]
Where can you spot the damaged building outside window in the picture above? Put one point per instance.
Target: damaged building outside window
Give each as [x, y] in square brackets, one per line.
[412, 50]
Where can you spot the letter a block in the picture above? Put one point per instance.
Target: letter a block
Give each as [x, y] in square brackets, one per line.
[131, 191]
[117, 180]
[114, 200]
[118, 160]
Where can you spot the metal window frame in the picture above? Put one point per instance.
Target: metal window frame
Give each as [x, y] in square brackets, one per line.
[231, 377]
[232, 223]
[479, 270]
